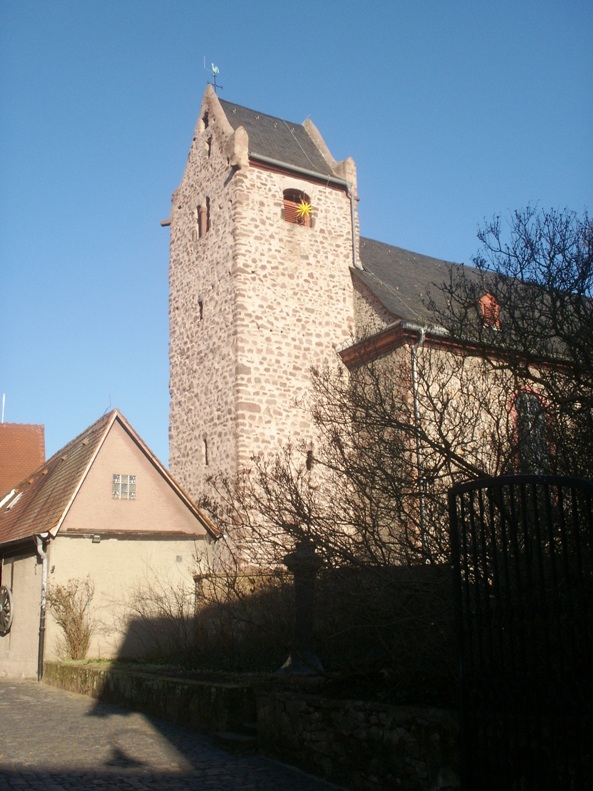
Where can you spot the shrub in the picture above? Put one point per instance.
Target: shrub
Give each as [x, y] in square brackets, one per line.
[69, 605]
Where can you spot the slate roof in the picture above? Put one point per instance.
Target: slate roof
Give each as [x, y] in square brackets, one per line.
[400, 279]
[45, 496]
[278, 139]
[404, 281]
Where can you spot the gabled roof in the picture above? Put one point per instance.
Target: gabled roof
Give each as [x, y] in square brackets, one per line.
[40, 502]
[404, 281]
[275, 138]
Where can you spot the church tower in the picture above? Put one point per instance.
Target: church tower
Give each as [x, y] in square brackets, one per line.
[264, 236]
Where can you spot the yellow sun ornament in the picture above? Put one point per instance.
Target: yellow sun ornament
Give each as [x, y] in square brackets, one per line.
[303, 211]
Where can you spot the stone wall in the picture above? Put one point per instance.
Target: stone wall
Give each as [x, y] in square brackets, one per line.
[362, 746]
[202, 706]
[202, 311]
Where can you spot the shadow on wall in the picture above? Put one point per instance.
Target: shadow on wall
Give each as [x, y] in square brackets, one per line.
[381, 634]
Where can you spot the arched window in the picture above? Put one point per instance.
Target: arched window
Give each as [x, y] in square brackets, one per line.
[532, 435]
[490, 311]
[297, 208]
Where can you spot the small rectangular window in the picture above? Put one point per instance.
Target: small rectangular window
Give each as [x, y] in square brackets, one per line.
[297, 208]
[204, 218]
[490, 310]
[124, 487]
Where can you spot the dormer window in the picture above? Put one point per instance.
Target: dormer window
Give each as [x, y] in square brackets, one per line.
[12, 501]
[297, 208]
[490, 311]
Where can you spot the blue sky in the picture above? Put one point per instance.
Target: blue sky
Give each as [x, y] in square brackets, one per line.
[453, 111]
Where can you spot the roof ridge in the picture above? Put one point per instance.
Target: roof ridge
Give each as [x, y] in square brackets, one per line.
[104, 419]
[258, 113]
[413, 252]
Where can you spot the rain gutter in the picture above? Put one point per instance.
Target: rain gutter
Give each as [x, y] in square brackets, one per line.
[314, 174]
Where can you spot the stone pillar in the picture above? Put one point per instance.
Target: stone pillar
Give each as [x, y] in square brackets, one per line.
[304, 565]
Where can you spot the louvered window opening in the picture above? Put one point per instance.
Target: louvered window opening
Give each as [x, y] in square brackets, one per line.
[490, 311]
[293, 201]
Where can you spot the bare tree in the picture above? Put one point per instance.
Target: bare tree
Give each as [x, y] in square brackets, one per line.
[508, 387]
[540, 273]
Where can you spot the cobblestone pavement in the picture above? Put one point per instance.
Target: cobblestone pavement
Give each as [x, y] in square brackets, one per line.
[53, 740]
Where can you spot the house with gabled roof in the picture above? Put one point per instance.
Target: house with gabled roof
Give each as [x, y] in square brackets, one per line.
[102, 507]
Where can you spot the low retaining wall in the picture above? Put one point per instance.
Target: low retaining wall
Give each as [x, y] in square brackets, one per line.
[200, 705]
[363, 746]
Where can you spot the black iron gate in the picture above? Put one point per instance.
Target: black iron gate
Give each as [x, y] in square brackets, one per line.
[522, 551]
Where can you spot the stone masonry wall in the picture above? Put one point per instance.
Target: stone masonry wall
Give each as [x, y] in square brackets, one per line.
[254, 304]
[202, 345]
[363, 746]
[295, 305]
[370, 315]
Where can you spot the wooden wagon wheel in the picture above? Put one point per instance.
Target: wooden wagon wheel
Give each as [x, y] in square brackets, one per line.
[6, 610]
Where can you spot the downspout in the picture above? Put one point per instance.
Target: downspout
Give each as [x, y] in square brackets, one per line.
[41, 540]
[355, 262]
[276, 163]
[419, 459]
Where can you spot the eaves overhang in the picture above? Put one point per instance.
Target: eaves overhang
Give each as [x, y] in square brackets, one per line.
[403, 333]
[23, 544]
[394, 336]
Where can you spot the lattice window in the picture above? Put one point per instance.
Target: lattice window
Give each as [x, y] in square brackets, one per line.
[124, 487]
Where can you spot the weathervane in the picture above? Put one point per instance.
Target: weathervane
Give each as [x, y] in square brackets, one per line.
[215, 73]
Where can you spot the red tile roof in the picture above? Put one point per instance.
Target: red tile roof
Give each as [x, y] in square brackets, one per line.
[22, 448]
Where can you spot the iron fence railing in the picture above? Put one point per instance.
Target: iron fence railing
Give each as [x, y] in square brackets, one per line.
[522, 555]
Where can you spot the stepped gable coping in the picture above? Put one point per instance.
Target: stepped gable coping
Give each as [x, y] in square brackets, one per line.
[277, 139]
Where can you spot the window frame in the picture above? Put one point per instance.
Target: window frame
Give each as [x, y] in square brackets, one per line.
[130, 483]
[292, 199]
[490, 311]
